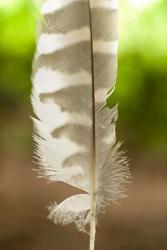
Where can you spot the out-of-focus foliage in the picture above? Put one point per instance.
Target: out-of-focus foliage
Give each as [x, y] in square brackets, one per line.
[17, 30]
[142, 76]
[141, 87]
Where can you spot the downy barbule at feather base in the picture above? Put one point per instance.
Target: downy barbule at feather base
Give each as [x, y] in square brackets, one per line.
[74, 71]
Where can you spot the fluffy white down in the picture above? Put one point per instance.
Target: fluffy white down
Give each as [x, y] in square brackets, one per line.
[74, 209]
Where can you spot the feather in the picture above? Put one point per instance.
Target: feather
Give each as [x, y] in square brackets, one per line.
[74, 68]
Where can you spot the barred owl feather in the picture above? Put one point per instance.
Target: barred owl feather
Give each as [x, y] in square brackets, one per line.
[74, 69]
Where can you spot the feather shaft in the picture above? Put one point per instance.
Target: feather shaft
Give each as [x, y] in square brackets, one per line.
[93, 190]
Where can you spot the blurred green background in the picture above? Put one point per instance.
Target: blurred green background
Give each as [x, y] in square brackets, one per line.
[140, 222]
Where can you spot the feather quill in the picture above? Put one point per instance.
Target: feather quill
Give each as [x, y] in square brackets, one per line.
[74, 69]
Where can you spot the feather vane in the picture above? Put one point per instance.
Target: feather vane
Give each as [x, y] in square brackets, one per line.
[74, 69]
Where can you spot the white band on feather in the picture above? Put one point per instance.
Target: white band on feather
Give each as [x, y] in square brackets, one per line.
[107, 4]
[49, 43]
[49, 81]
[110, 47]
[53, 5]
[110, 140]
[56, 117]
[100, 95]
